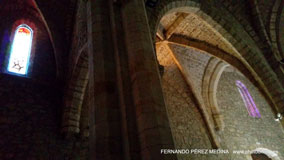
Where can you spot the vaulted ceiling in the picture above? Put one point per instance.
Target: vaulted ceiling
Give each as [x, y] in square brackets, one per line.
[59, 16]
[190, 25]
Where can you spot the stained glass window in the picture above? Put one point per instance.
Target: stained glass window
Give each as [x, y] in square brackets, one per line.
[249, 102]
[20, 52]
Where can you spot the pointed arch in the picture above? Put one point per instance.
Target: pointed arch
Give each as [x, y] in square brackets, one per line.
[220, 54]
[271, 154]
[74, 97]
[50, 34]
[237, 36]
[212, 75]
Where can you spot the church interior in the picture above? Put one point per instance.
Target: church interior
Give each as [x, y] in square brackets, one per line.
[142, 80]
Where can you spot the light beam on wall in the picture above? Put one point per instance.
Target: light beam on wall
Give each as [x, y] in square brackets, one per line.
[249, 102]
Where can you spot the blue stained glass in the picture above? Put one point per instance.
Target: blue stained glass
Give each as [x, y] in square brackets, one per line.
[20, 52]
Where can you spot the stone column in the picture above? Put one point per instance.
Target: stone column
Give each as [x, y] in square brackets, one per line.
[152, 122]
[105, 120]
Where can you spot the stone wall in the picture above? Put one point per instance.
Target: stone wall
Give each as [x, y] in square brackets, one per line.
[188, 127]
[234, 32]
[78, 73]
[31, 112]
[194, 63]
[31, 107]
[79, 35]
[241, 131]
[30, 121]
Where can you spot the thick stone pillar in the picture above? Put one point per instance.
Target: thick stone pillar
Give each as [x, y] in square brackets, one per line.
[152, 122]
[105, 119]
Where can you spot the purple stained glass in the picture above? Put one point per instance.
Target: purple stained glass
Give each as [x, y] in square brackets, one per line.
[249, 102]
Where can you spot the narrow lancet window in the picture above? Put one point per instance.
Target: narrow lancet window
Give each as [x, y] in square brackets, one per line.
[20, 52]
[249, 102]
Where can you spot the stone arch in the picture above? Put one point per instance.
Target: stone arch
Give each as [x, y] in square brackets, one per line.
[277, 27]
[74, 96]
[220, 56]
[57, 58]
[234, 33]
[210, 81]
[183, 105]
[84, 116]
[207, 119]
[84, 125]
[232, 60]
[266, 38]
[269, 30]
[272, 31]
[76, 102]
[272, 155]
[59, 33]
[79, 38]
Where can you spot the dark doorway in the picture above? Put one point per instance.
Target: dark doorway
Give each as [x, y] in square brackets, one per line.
[260, 157]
